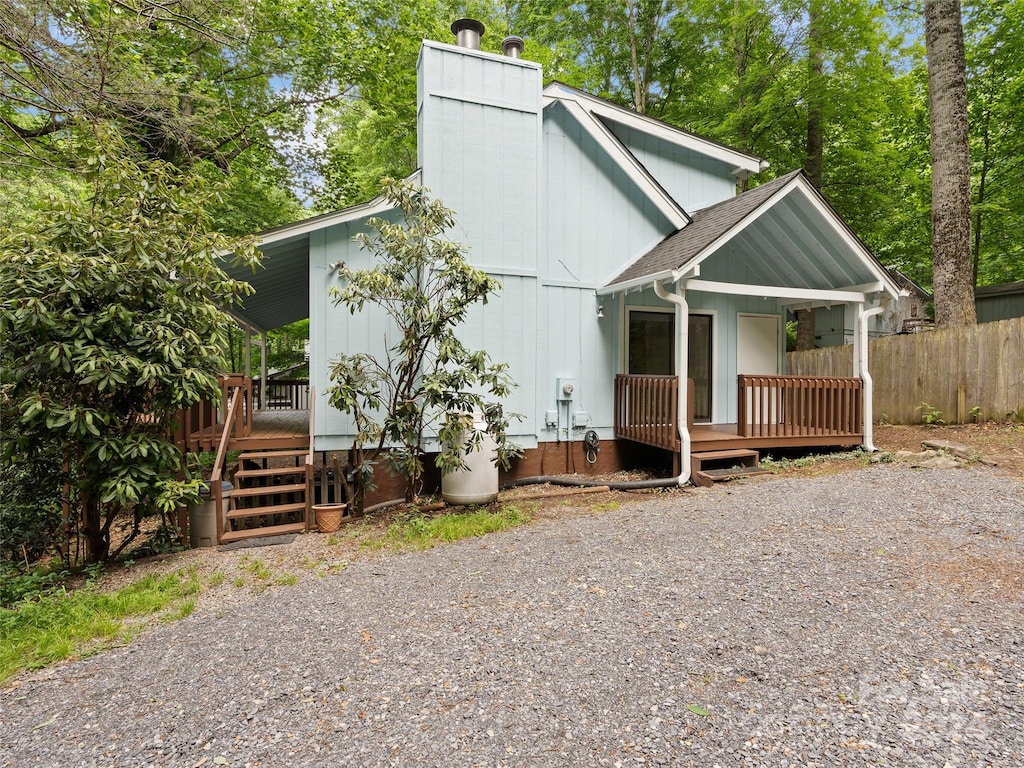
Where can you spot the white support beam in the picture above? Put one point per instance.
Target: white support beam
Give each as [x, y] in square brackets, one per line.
[263, 370]
[797, 295]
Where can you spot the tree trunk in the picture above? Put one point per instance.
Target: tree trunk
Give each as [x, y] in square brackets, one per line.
[815, 96]
[815, 142]
[951, 170]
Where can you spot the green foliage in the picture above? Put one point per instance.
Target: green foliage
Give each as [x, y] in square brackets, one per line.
[930, 415]
[111, 316]
[56, 624]
[778, 465]
[30, 509]
[415, 530]
[17, 584]
[425, 287]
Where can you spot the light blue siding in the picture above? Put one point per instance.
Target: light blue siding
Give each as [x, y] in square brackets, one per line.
[542, 208]
[693, 180]
[480, 150]
[596, 219]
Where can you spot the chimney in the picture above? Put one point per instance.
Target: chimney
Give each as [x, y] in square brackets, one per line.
[468, 33]
[513, 46]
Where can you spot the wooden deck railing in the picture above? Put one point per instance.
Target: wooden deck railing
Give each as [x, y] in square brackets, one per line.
[198, 428]
[799, 406]
[646, 408]
[195, 428]
[283, 394]
[231, 419]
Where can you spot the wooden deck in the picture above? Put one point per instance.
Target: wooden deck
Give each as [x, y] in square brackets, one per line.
[268, 430]
[723, 437]
[781, 412]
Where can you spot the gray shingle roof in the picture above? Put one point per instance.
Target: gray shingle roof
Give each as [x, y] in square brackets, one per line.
[707, 225]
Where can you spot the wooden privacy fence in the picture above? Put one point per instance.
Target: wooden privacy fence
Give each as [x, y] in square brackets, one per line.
[953, 372]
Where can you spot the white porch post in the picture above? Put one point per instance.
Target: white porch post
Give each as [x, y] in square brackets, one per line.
[860, 368]
[682, 359]
[263, 370]
[248, 352]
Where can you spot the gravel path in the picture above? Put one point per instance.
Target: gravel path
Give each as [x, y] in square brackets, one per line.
[873, 617]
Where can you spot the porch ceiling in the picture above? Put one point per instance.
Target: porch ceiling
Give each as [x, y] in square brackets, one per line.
[281, 283]
[790, 245]
[781, 234]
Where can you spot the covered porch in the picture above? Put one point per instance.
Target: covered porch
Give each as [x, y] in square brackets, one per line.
[777, 412]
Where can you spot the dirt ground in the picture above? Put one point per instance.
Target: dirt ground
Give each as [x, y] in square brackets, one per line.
[999, 443]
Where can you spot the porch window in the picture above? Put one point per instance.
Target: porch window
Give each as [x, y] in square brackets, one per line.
[652, 343]
[652, 352]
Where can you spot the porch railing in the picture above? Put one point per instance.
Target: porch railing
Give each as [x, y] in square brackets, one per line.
[646, 408]
[799, 406]
[283, 394]
[198, 428]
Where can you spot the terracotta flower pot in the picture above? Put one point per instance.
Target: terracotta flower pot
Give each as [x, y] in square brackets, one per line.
[329, 516]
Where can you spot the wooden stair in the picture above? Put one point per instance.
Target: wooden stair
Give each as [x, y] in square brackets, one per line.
[710, 467]
[268, 500]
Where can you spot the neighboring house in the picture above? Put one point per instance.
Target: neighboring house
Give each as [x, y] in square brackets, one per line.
[999, 302]
[628, 265]
[834, 325]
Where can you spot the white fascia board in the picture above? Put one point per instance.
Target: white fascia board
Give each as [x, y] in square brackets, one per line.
[775, 291]
[636, 283]
[630, 165]
[372, 207]
[742, 162]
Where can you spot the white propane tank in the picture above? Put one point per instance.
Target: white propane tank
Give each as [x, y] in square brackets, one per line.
[478, 482]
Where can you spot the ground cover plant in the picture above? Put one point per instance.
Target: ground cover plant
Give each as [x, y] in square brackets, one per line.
[55, 624]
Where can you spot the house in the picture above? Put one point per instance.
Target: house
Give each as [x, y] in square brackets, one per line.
[834, 325]
[628, 263]
[999, 302]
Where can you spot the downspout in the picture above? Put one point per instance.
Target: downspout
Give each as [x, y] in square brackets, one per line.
[683, 339]
[263, 370]
[861, 367]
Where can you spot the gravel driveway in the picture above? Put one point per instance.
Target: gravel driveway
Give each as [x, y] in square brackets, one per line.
[873, 617]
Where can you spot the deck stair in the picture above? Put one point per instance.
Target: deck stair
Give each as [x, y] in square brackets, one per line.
[709, 467]
[270, 494]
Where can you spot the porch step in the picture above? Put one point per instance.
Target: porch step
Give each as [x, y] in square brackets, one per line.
[276, 509]
[244, 473]
[270, 530]
[709, 467]
[268, 490]
[271, 454]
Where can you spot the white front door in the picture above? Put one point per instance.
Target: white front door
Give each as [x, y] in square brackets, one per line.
[757, 345]
[757, 353]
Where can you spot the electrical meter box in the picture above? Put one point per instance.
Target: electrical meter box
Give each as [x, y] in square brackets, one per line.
[565, 389]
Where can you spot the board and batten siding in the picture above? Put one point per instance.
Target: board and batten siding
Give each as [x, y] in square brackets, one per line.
[694, 181]
[479, 149]
[595, 218]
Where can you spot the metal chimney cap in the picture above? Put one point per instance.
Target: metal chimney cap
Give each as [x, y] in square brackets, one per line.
[468, 33]
[512, 46]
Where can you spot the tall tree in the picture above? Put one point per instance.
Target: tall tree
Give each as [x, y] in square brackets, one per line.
[815, 141]
[951, 166]
[995, 89]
